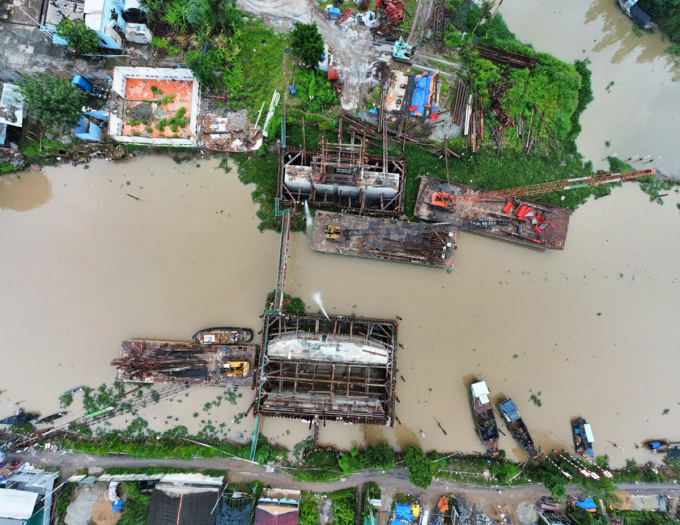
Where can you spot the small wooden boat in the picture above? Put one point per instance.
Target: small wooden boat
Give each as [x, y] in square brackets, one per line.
[517, 427]
[485, 420]
[659, 445]
[51, 418]
[73, 391]
[19, 418]
[223, 336]
[583, 436]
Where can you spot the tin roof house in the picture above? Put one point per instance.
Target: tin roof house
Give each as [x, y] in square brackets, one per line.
[26, 496]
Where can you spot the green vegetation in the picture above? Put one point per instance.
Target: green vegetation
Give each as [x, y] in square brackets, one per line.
[666, 13]
[80, 38]
[344, 506]
[52, 100]
[137, 505]
[309, 512]
[163, 48]
[307, 43]
[329, 465]
[420, 467]
[66, 400]
[637, 517]
[7, 167]
[64, 498]
[315, 92]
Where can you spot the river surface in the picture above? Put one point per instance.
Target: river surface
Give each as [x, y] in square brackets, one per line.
[591, 331]
[640, 113]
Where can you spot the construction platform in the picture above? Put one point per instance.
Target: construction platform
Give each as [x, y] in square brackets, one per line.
[328, 369]
[495, 218]
[344, 176]
[143, 361]
[387, 239]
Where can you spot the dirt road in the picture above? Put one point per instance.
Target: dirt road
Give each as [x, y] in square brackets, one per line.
[490, 500]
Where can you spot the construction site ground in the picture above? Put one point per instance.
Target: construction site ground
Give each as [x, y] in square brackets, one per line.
[355, 54]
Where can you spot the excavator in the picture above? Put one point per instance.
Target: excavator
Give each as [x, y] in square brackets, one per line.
[441, 199]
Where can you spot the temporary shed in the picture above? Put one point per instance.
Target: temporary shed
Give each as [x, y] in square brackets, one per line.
[16, 505]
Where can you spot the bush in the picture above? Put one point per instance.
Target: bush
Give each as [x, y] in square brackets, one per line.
[307, 43]
[345, 507]
[202, 66]
[309, 513]
[80, 38]
[420, 468]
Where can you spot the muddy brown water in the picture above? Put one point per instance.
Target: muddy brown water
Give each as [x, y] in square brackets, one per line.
[639, 113]
[591, 331]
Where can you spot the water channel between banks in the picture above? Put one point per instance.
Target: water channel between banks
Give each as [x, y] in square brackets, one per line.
[591, 331]
[640, 113]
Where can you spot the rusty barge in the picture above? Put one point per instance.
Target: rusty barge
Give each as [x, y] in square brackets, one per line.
[386, 239]
[315, 368]
[143, 361]
[514, 219]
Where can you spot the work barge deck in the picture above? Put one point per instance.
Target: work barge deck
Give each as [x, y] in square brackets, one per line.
[482, 216]
[342, 176]
[172, 362]
[328, 369]
[386, 239]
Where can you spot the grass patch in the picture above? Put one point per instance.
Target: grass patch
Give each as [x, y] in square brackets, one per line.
[260, 67]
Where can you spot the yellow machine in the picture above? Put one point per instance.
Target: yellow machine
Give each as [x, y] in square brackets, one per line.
[236, 368]
[415, 508]
[333, 232]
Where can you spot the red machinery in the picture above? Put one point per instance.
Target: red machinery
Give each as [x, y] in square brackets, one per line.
[445, 200]
[394, 9]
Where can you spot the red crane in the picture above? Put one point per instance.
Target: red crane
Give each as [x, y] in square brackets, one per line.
[442, 199]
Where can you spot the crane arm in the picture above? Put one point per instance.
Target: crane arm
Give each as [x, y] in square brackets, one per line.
[549, 187]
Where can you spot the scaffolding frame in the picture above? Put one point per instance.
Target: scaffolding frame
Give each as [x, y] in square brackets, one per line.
[341, 164]
[300, 388]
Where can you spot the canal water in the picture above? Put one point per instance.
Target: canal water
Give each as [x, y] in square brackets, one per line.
[590, 331]
[639, 114]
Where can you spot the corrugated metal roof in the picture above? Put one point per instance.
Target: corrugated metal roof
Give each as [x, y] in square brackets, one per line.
[11, 105]
[17, 504]
[272, 515]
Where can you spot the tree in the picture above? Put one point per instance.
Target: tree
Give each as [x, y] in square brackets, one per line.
[420, 468]
[80, 38]
[503, 470]
[307, 43]
[52, 100]
[380, 457]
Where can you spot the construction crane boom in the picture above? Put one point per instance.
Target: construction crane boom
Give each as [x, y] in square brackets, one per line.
[445, 200]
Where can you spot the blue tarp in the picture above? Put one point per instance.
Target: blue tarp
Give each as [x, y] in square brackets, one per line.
[334, 13]
[509, 410]
[421, 93]
[655, 444]
[118, 506]
[586, 504]
[402, 514]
